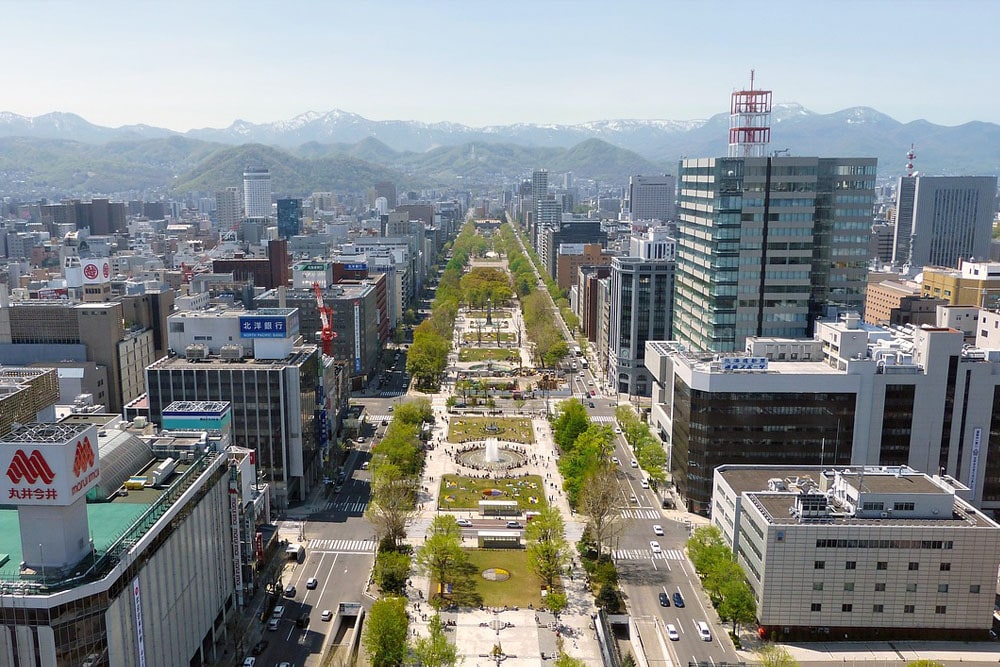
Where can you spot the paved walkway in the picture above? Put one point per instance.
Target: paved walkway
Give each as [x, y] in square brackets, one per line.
[523, 634]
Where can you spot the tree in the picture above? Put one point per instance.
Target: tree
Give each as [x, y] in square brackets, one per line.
[435, 650]
[391, 571]
[547, 549]
[441, 557]
[590, 452]
[415, 411]
[737, 603]
[391, 506]
[600, 502]
[772, 655]
[385, 634]
[556, 601]
[571, 421]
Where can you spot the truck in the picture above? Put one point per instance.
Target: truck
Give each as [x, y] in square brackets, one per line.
[295, 552]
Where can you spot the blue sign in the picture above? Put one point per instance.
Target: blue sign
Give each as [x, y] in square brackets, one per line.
[262, 326]
[356, 267]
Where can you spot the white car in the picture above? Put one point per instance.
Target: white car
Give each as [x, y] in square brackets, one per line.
[657, 529]
[672, 633]
[614, 459]
[326, 615]
[618, 430]
[655, 546]
[644, 483]
[634, 463]
[464, 523]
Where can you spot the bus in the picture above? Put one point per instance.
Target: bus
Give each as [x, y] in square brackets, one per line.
[583, 362]
[577, 352]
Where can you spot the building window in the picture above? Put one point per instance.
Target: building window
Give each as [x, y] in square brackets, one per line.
[911, 588]
[846, 607]
[940, 609]
[879, 588]
[849, 586]
[942, 588]
[945, 567]
[914, 566]
[817, 585]
[908, 608]
[817, 606]
[851, 565]
[974, 588]
[903, 507]
[877, 608]
[882, 565]
[819, 565]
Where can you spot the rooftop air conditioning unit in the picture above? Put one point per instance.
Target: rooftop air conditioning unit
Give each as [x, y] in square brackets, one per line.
[231, 352]
[196, 352]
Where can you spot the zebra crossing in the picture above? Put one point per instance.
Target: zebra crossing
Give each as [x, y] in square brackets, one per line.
[390, 394]
[378, 419]
[342, 546]
[348, 506]
[642, 514]
[603, 419]
[646, 554]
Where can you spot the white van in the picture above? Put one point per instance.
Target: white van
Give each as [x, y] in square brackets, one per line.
[703, 631]
[278, 612]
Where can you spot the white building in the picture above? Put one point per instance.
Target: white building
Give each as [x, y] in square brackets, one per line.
[650, 198]
[256, 193]
[860, 553]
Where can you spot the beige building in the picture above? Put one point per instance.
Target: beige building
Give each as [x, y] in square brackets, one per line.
[972, 284]
[571, 256]
[859, 553]
[899, 302]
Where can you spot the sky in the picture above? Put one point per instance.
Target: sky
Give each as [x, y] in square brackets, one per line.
[182, 64]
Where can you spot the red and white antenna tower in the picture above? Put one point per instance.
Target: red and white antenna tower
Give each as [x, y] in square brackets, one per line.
[910, 156]
[750, 122]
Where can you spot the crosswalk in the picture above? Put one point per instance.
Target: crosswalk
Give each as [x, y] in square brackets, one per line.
[342, 546]
[378, 419]
[646, 554]
[390, 394]
[603, 419]
[642, 514]
[348, 506]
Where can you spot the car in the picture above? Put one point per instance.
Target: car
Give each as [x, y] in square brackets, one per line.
[618, 430]
[311, 583]
[284, 664]
[272, 625]
[678, 600]
[672, 633]
[634, 463]
[385, 422]
[664, 599]
[290, 591]
[259, 647]
[590, 383]
[249, 662]
[278, 612]
[593, 393]
[364, 466]
[657, 529]
[614, 459]
[590, 404]
[390, 409]
[703, 631]
[464, 523]
[514, 525]
[655, 546]
[361, 441]
[644, 483]
[326, 615]
[635, 499]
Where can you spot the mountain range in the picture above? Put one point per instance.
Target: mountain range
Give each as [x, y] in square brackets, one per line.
[62, 152]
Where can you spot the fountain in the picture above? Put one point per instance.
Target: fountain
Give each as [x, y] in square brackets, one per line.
[492, 450]
[491, 455]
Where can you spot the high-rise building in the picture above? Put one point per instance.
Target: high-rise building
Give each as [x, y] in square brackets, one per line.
[386, 189]
[641, 306]
[539, 186]
[650, 198]
[766, 245]
[227, 208]
[941, 220]
[256, 192]
[289, 217]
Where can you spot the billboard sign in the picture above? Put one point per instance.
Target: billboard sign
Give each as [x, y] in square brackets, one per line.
[263, 326]
[96, 271]
[744, 363]
[313, 267]
[49, 474]
[357, 337]
[356, 267]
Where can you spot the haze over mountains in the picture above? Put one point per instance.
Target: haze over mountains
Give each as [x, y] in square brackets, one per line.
[62, 152]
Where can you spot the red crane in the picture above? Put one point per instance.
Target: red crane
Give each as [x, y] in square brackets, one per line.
[325, 316]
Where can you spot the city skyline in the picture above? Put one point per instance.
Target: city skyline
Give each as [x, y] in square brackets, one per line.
[190, 65]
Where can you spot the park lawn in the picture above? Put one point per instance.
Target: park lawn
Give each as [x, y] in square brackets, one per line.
[523, 587]
[489, 336]
[512, 429]
[466, 492]
[487, 354]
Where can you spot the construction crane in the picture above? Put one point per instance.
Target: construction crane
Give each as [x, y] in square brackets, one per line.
[325, 316]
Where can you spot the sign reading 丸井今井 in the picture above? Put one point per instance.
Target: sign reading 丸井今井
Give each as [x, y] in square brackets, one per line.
[263, 326]
[46, 473]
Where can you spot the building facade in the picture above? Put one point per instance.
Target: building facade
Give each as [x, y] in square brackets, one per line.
[860, 553]
[650, 198]
[227, 209]
[571, 256]
[289, 217]
[256, 193]
[766, 245]
[974, 284]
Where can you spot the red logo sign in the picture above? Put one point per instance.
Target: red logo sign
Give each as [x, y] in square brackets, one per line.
[90, 271]
[84, 457]
[30, 468]
[107, 269]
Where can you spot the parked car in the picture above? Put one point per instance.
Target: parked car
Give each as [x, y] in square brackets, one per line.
[290, 592]
[514, 525]
[364, 466]
[249, 662]
[311, 583]
[272, 625]
[259, 647]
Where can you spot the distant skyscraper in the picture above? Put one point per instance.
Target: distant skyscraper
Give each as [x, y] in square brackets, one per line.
[289, 217]
[651, 197]
[766, 245]
[227, 208]
[943, 219]
[256, 192]
[387, 190]
[539, 186]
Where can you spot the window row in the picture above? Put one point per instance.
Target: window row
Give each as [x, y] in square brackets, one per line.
[885, 544]
[880, 608]
[880, 587]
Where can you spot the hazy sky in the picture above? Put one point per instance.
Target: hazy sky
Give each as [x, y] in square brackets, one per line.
[182, 64]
